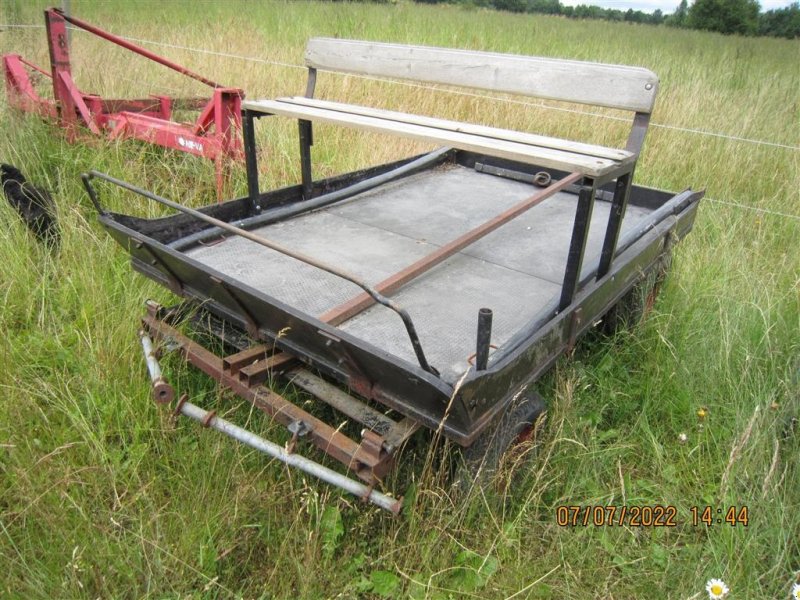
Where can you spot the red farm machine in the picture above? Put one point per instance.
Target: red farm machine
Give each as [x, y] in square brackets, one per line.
[215, 134]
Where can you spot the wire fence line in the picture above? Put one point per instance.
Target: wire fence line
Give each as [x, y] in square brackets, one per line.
[765, 211]
[475, 95]
[481, 96]
[432, 88]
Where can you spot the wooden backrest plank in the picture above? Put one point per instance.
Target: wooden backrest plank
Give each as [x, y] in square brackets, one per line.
[597, 84]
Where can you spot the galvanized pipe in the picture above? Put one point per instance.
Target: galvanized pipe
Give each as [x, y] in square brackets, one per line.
[162, 391]
[293, 460]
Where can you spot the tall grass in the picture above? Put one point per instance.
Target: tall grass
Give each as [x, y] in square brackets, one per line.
[102, 495]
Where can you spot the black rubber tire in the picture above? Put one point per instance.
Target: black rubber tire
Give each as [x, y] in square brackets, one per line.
[636, 304]
[483, 459]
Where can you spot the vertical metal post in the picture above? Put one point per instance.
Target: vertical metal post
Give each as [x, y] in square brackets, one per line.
[311, 83]
[306, 141]
[251, 161]
[638, 131]
[577, 246]
[484, 339]
[227, 108]
[622, 191]
[59, 63]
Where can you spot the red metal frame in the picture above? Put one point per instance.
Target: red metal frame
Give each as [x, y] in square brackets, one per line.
[214, 135]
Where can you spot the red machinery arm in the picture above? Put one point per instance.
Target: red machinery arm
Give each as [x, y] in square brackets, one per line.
[134, 48]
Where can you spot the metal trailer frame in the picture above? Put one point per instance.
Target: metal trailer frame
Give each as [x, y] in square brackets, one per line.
[214, 135]
[317, 352]
[320, 358]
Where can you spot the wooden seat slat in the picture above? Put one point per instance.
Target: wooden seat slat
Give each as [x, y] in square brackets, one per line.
[593, 166]
[482, 130]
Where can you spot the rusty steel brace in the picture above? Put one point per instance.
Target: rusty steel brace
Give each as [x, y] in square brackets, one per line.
[212, 421]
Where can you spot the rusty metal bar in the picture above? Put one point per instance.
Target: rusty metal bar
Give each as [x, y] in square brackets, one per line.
[361, 302]
[306, 141]
[137, 49]
[622, 191]
[233, 363]
[259, 371]
[362, 460]
[395, 433]
[210, 420]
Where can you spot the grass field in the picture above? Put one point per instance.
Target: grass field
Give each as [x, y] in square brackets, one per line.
[102, 495]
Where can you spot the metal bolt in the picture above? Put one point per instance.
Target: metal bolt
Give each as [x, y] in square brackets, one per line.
[648, 86]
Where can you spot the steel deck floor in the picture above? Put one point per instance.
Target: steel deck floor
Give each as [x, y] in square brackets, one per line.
[516, 270]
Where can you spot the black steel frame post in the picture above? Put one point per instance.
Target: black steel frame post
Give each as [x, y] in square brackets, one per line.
[251, 160]
[622, 191]
[484, 339]
[311, 84]
[638, 133]
[306, 141]
[577, 246]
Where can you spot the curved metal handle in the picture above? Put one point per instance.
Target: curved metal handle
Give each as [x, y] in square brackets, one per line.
[375, 294]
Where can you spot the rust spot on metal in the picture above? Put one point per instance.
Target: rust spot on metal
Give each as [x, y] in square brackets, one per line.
[163, 392]
[369, 460]
[209, 417]
[471, 357]
[235, 362]
[181, 401]
[260, 370]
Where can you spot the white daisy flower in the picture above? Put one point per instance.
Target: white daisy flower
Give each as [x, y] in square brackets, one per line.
[716, 589]
[796, 591]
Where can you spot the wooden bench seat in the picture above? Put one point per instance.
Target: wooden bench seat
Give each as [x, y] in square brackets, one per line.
[549, 152]
[611, 86]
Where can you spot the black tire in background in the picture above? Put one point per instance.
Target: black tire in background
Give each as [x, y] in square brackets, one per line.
[514, 428]
[637, 303]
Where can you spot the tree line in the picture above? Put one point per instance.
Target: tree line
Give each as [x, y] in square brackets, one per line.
[741, 17]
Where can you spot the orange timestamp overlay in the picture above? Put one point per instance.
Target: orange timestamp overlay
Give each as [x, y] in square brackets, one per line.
[648, 516]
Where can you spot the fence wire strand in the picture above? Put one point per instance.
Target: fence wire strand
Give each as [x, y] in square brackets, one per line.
[433, 88]
[474, 95]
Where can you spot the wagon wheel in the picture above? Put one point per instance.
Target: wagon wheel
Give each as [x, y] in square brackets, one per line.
[638, 302]
[504, 442]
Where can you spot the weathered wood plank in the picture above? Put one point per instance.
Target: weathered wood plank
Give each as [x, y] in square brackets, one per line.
[545, 157]
[482, 130]
[612, 86]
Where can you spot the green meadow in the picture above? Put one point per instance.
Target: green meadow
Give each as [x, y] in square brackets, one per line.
[104, 495]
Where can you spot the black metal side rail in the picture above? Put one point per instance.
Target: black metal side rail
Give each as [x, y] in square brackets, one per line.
[373, 293]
